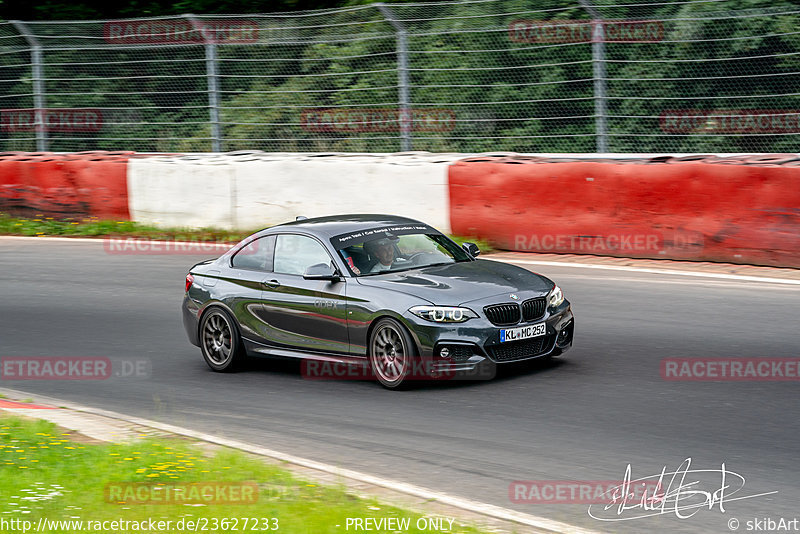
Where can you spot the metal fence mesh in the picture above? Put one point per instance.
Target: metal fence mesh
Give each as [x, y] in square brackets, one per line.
[480, 75]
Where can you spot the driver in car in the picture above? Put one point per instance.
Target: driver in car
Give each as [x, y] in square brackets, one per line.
[383, 249]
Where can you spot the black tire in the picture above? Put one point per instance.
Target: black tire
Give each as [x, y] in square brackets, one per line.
[392, 353]
[220, 342]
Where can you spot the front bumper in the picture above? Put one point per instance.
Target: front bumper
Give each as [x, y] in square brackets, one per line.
[476, 342]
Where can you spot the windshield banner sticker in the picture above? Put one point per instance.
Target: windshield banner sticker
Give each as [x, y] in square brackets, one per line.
[353, 238]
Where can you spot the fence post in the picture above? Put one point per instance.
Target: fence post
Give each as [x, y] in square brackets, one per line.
[404, 96]
[599, 75]
[213, 81]
[37, 75]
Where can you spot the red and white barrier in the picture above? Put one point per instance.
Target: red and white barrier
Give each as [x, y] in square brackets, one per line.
[735, 208]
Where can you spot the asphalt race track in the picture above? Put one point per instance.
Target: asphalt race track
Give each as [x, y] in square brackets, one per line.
[587, 417]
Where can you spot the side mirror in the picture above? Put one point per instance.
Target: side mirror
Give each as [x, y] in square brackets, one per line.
[471, 249]
[321, 271]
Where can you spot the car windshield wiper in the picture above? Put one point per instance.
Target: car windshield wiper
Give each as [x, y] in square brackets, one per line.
[436, 264]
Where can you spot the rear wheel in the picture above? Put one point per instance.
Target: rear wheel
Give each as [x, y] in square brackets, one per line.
[391, 353]
[220, 341]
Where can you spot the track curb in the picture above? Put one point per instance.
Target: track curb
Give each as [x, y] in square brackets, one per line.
[537, 524]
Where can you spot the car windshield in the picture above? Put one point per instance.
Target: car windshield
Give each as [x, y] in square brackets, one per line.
[388, 252]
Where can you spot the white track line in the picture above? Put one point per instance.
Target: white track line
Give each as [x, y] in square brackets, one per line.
[488, 510]
[670, 272]
[223, 246]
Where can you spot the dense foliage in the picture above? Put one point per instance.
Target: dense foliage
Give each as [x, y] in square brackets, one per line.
[102, 9]
[475, 85]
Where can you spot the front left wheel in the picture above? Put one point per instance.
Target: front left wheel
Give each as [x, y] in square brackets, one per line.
[220, 342]
[392, 353]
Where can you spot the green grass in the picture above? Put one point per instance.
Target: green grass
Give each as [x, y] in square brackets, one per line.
[43, 474]
[91, 227]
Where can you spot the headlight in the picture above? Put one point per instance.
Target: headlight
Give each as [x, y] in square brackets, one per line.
[443, 314]
[555, 298]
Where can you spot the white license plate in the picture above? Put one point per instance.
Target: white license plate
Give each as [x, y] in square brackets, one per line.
[523, 332]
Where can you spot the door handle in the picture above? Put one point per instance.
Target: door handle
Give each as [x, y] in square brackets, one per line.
[271, 283]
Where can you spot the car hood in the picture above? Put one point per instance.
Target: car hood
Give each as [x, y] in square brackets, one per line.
[459, 283]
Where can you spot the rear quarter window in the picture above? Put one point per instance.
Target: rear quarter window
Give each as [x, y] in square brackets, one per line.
[257, 255]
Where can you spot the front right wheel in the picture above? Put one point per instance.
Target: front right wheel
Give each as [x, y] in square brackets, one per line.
[391, 353]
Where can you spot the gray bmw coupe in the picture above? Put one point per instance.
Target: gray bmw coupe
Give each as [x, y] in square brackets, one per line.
[389, 294]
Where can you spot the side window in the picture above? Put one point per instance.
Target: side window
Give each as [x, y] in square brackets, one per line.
[296, 253]
[256, 255]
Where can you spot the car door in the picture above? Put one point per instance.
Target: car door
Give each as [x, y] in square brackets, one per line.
[250, 268]
[308, 315]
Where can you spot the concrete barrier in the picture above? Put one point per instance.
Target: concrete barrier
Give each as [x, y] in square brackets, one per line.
[65, 185]
[740, 213]
[171, 192]
[250, 190]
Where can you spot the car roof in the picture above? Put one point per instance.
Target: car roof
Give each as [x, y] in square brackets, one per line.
[334, 225]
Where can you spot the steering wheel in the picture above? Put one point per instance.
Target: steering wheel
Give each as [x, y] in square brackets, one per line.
[417, 256]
